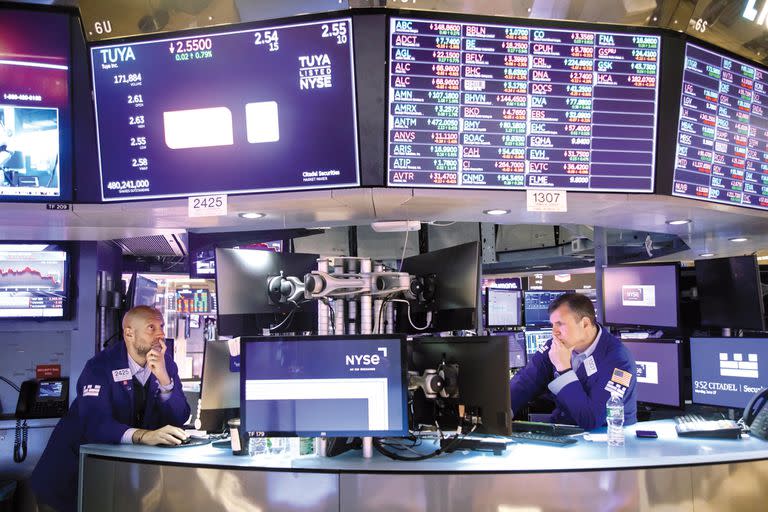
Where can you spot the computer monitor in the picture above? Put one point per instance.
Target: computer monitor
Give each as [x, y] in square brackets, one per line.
[642, 295]
[244, 305]
[450, 289]
[730, 294]
[517, 354]
[504, 307]
[345, 386]
[535, 339]
[144, 291]
[193, 300]
[483, 382]
[537, 305]
[219, 387]
[659, 371]
[34, 281]
[726, 372]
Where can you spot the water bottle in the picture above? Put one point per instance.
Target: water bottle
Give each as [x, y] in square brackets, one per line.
[614, 409]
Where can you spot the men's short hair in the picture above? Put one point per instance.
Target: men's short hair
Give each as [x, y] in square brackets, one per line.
[139, 312]
[579, 304]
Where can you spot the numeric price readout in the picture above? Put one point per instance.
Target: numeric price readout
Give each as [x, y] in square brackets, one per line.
[722, 141]
[497, 106]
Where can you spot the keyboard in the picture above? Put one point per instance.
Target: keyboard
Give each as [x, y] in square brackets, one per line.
[553, 429]
[190, 441]
[695, 425]
[536, 437]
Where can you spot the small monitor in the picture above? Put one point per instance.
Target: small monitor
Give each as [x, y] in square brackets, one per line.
[449, 290]
[726, 372]
[535, 339]
[537, 306]
[483, 382]
[219, 387]
[730, 293]
[34, 281]
[504, 307]
[517, 354]
[642, 295]
[244, 305]
[659, 371]
[144, 291]
[344, 386]
[193, 300]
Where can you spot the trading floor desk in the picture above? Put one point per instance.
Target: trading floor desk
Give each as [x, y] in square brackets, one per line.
[646, 474]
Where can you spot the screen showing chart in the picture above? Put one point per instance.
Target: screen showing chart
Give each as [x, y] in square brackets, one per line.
[722, 142]
[504, 307]
[253, 110]
[507, 107]
[193, 300]
[35, 133]
[33, 281]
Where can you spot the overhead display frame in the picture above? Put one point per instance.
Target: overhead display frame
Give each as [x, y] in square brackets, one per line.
[722, 138]
[502, 106]
[263, 108]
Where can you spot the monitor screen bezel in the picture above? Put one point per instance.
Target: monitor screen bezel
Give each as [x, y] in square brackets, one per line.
[502, 291]
[676, 266]
[247, 341]
[680, 368]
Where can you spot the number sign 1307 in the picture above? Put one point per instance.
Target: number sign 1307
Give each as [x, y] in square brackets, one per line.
[208, 206]
[547, 201]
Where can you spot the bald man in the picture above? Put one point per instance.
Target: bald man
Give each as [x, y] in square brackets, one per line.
[129, 393]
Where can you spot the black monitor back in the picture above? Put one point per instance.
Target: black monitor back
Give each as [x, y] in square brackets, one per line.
[483, 381]
[730, 294]
[219, 388]
[456, 274]
[244, 307]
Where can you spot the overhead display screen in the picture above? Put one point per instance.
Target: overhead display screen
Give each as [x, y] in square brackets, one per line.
[246, 111]
[722, 142]
[35, 134]
[475, 105]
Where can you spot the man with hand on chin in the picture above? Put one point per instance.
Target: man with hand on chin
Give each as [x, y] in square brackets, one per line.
[580, 367]
[129, 393]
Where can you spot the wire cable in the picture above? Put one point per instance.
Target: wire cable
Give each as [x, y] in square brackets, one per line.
[408, 312]
[380, 447]
[405, 246]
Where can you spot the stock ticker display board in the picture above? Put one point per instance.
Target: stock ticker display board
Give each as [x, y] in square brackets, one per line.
[722, 143]
[223, 112]
[475, 105]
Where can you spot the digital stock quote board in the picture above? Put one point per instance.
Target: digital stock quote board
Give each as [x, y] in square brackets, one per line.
[475, 105]
[250, 110]
[722, 142]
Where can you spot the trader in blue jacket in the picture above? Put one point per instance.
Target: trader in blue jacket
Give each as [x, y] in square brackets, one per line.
[129, 393]
[580, 367]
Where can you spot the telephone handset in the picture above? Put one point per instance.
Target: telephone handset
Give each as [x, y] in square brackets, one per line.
[46, 398]
[756, 415]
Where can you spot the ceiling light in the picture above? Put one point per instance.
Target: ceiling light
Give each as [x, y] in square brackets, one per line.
[496, 212]
[707, 254]
[251, 215]
[739, 239]
[678, 222]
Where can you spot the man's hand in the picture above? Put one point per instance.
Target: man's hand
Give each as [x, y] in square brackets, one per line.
[560, 355]
[164, 435]
[156, 362]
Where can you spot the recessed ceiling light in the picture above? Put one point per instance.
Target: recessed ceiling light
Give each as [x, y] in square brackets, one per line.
[678, 222]
[739, 239]
[496, 212]
[251, 215]
[707, 254]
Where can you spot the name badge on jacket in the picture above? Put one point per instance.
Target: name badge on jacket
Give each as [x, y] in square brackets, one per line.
[590, 366]
[121, 375]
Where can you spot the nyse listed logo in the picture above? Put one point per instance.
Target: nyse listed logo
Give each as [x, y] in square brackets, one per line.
[632, 294]
[315, 72]
[365, 362]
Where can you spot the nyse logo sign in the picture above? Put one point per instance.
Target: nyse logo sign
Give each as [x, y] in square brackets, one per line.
[315, 72]
[365, 362]
[638, 295]
[632, 294]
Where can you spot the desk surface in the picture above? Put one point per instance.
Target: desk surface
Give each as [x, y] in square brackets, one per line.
[667, 450]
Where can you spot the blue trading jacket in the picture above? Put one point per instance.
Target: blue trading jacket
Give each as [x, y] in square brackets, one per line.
[580, 402]
[101, 413]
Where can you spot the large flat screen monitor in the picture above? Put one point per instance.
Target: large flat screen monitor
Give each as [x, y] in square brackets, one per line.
[34, 281]
[503, 106]
[643, 295]
[324, 386]
[504, 307]
[482, 382]
[449, 290]
[243, 302]
[726, 372]
[537, 306]
[219, 387]
[226, 111]
[35, 119]
[730, 293]
[659, 371]
[722, 130]
[535, 339]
